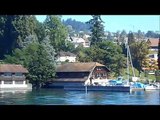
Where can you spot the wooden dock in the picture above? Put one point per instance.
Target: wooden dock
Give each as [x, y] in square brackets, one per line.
[99, 88]
[137, 89]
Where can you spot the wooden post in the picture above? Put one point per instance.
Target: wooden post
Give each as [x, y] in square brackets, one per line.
[86, 89]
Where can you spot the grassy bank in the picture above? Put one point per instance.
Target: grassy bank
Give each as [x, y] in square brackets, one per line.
[142, 77]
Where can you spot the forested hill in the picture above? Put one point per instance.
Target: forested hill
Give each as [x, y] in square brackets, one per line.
[76, 25]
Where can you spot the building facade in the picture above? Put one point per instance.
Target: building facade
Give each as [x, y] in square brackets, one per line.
[78, 73]
[153, 44]
[152, 60]
[66, 56]
[80, 41]
[13, 77]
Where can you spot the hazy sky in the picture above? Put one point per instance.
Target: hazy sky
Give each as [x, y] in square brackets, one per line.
[120, 22]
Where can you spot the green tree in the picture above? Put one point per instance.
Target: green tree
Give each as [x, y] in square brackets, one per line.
[3, 46]
[109, 36]
[97, 29]
[14, 30]
[139, 51]
[40, 31]
[25, 26]
[40, 68]
[17, 57]
[112, 57]
[83, 54]
[69, 46]
[57, 31]
[32, 57]
[118, 35]
[123, 35]
[7, 35]
[140, 35]
[46, 43]
[130, 38]
[106, 53]
[152, 34]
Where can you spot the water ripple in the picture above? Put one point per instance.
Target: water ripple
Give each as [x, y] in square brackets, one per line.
[60, 97]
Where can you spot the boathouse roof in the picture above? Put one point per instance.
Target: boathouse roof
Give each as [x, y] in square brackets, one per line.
[12, 68]
[79, 67]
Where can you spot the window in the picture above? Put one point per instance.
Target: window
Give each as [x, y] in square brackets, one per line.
[8, 82]
[18, 74]
[98, 68]
[151, 56]
[87, 44]
[98, 75]
[18, 82]
[7, 74]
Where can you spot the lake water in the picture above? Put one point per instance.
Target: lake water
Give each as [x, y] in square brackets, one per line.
[60, 97]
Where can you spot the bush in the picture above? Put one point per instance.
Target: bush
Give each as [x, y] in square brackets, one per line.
[157, 74]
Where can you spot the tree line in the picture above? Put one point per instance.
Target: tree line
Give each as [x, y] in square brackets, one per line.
[35, 45]
[77, 26]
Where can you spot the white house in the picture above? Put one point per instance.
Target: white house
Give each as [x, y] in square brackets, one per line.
[66, 56]
[153, 48]
[80, 41]
[12, 76]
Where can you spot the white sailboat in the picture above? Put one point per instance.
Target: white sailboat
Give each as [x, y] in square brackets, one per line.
[134, 78]
[134, 85]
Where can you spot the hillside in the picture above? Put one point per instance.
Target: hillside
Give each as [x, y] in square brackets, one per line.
[77, 26]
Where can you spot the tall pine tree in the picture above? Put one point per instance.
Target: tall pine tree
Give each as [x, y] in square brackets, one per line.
[57, 32]
[14, 30]
[97, 29]
[130, 38]
[38, 60]
[41, 69]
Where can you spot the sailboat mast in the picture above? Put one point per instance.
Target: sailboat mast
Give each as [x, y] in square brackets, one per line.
[131, 61]
[127, 63]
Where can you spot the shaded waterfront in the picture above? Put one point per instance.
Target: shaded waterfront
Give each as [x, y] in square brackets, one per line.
[60, 97]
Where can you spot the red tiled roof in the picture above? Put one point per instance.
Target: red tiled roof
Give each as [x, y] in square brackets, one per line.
[78, 67]
[12, 68]
[154, 42]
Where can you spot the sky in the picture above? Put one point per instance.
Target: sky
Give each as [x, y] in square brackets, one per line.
[113, 23]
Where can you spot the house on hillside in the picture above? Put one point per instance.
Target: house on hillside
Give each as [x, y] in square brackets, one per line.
[66, 56]
[153, 44]
[80, 41]
[13, 77]
[78, 73]
[153, 48]
[152, 57]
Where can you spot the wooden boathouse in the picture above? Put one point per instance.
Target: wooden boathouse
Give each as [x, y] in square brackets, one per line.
[13, 76]
[75, 74]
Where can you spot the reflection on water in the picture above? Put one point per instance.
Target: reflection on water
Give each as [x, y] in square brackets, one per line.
[60, 97]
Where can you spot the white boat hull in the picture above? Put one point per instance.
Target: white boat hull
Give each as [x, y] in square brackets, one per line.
[151, 88]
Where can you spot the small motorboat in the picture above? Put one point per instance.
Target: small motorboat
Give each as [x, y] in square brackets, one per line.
[151, 87]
